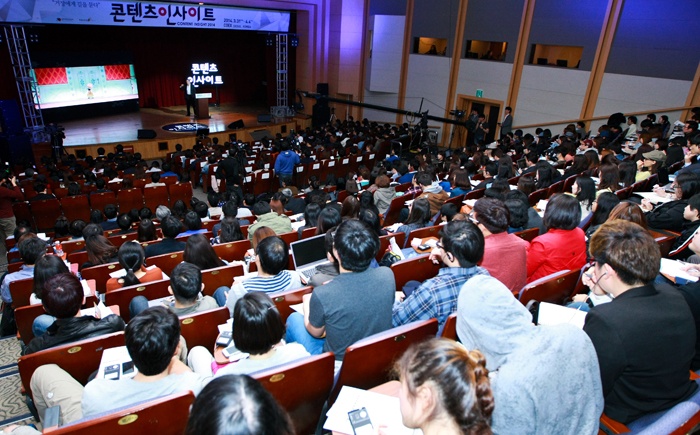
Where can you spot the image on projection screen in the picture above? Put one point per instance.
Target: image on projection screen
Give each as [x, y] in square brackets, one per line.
[74, 86]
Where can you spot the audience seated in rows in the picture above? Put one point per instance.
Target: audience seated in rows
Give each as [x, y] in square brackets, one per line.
[563, 247]
[461, 248]
[280, 224]
[492, 218]
[30, 250]
[132, 260]
[186, 287]
[153, 342]
[259, 332]
[272, 261]
[238, 402]
[548, 378]
[340, 308]
[171, 227]
[62, 298]
[644, 337]
[45, 268]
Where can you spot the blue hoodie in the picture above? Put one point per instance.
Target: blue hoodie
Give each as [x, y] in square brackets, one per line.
[285, 162]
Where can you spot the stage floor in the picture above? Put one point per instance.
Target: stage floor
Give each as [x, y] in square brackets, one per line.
[124, 127]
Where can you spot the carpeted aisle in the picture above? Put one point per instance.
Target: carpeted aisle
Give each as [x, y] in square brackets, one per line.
[13, 409]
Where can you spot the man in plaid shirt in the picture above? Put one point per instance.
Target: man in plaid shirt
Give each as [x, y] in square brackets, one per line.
[461, 247]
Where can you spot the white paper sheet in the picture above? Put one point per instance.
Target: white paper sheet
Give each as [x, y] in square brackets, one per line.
[382, 410]
[673, 268]
[551, 314]
[115, 355]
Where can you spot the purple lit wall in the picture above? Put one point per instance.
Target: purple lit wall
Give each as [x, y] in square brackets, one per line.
[657, 38]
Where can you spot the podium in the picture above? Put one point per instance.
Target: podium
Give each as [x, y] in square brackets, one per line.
[203, 105]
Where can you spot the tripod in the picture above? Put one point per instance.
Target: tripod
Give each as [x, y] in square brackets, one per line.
[458, 129]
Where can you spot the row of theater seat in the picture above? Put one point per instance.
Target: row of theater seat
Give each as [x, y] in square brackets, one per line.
[43, 213]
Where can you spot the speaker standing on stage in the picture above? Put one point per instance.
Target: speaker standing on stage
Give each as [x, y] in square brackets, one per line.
[189, 96]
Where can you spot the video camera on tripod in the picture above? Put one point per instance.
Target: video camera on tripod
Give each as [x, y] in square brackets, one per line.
[459, 114]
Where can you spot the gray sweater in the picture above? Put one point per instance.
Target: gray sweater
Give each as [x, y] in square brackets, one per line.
[383, 197]
[547, 379]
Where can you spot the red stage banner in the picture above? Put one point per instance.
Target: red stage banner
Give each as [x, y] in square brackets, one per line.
[51, 76]
[117, 72]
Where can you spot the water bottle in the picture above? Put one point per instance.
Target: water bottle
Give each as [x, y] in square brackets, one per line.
[58, 249]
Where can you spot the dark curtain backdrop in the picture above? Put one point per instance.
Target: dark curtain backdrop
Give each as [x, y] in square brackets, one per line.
[163, 58]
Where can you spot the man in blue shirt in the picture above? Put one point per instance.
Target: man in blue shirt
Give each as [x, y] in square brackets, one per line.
[461, 247]
[167, 171]
[284, 165]
[408, 177]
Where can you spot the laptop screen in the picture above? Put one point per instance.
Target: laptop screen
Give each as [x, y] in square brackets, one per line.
[309, 250]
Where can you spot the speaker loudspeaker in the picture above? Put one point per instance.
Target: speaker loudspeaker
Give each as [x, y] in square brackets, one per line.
[235, 125]
[265, 118]
[146, 134]
[322, 88]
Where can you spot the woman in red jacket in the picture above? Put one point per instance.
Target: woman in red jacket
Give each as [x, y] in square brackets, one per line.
[563, 246]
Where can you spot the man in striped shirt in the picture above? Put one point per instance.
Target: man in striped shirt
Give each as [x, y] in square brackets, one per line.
[272, 259]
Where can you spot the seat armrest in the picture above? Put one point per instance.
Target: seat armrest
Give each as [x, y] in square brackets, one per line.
[610, 426]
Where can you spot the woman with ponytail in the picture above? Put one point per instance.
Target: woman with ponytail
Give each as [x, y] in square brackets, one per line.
[131, 259]
[445, 389]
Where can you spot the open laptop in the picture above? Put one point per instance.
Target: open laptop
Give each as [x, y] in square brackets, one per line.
[309, 254]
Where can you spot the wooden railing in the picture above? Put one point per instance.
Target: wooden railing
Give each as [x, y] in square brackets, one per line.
[597, 118]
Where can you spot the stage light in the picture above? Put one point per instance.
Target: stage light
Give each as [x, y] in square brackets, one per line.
[270, 40]
[294, 41]
[33, 35]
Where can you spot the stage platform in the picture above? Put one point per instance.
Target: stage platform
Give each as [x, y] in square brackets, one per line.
[109, 131]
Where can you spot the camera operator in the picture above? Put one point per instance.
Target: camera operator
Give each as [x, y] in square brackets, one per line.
[9, 190]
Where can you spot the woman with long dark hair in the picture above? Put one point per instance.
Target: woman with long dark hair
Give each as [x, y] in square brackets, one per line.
[131, 260]
[602, 207]
[327, 219]
[505, 167]
[580, 165]
[584, 190]
[146, 231]
[179, 209]
[311, 213]
[418, 217]
[527, 184]
[628, 172]
[367, 202]
[198, 251]
[372, 219]
[609, 179]
[593, 158]
[350, 209]
[459, 180]
[230, 231]
[545, 175]
[100, 251]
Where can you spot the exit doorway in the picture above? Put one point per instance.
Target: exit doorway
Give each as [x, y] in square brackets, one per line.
[490, 108]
